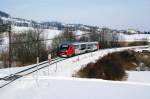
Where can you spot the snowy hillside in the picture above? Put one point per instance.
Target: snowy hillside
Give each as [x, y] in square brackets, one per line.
[55, 82]
[20, 29]
[134, 37]
[48, 33]
[51, 33]
[121, 37]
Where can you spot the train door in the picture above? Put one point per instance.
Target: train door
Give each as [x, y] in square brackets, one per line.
[71, 50]
[89, 47]
[77, 49]
[63, 51]
[96, 46]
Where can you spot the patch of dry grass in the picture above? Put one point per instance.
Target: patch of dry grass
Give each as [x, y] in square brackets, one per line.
[113, 66]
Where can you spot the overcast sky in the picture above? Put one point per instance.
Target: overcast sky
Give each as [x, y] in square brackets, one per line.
[117, 14]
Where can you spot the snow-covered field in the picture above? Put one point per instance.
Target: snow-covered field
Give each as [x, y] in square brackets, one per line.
[73, 88]
[134, 37]
[56, 82]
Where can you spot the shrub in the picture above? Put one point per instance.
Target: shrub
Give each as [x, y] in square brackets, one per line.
[88, 71]
[113, 66]
[109, 68]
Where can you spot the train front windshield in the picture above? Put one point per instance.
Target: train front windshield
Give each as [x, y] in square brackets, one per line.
[64, 47]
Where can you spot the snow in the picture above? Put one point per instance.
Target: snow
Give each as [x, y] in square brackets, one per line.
[79, 32]
[64, 88]
[17, 29]
[141, 49]
[6, 19]
[141, 76]
[8, 71]
[50, 33]
[133, 37]
[121, 37]
[56, 82]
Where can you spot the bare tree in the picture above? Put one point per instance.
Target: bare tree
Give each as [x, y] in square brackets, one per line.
[27, 45]
[66, 36]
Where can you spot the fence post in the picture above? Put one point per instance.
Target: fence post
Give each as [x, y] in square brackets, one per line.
[78, 58]
[10, 49]
[56, 67]
[37, 67]
[49, 61]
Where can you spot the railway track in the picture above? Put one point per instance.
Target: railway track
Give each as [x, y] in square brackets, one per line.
[12, 77]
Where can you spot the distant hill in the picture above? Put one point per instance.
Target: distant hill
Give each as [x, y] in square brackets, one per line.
[20, 22]
[3, 14]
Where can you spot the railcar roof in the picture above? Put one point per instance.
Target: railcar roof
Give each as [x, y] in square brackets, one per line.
[75, 43]
[83, 43]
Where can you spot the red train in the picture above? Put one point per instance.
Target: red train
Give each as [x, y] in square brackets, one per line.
[71, 49]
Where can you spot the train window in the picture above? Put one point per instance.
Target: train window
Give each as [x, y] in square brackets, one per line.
[64, 47]
[96, 45]
[76, 46]
[83, 46]
[71, 48]
[89, 46]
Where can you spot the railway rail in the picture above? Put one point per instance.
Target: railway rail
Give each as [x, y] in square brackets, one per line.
[14, 76]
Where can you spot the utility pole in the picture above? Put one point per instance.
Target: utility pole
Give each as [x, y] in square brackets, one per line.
[38, 48]
[37, 29]
[10, 49]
